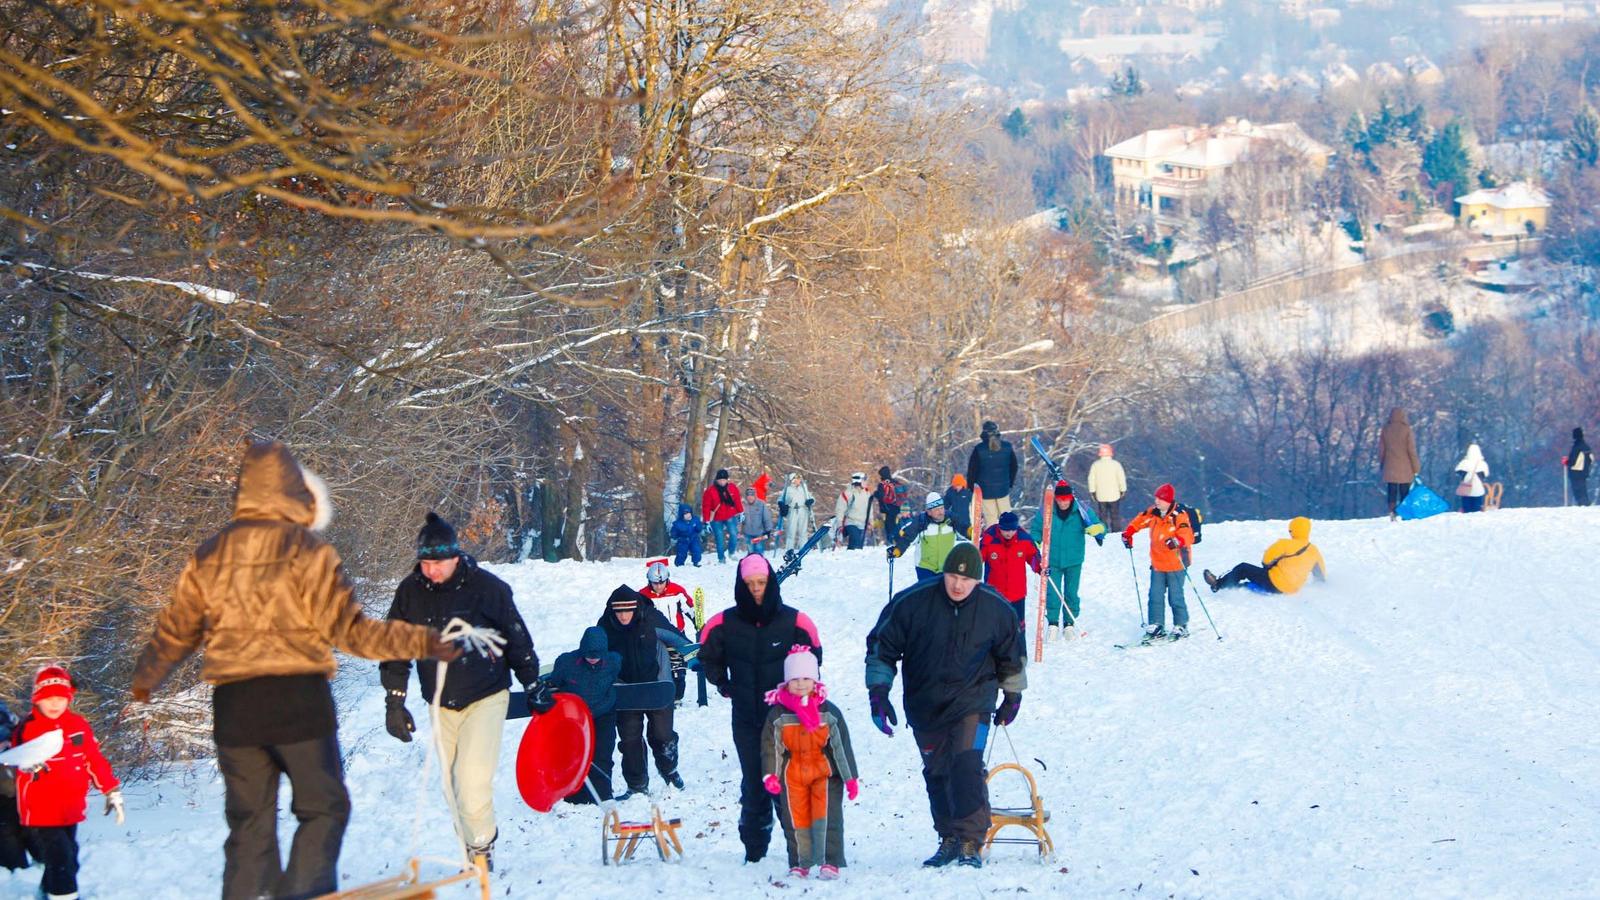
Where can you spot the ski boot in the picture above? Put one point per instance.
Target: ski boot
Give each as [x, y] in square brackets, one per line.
[949, 849]
[970, 856]
[1152, 633]
[1178, 633]
[673, 779]
[1212, 580]
[1069, 633]
[631, 792]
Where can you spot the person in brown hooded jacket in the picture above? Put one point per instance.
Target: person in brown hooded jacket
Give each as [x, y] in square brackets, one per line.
[269, 600]
[1397, 457]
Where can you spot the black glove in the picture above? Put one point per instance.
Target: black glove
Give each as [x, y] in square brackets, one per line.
[783, 508]
[540, 698]
[894, 552]
[810, 502]
[1010, 702]
[397, 719]
[722, 691]
[882, 710]
[1172, 543]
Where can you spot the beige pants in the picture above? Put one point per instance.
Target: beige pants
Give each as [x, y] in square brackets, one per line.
[993, 508]
[471, 740]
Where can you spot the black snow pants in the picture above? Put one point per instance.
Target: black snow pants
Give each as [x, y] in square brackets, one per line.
[952, 766]
[13, 843]
[57, 848]
[1246, 573]
[756, 806]
[632, 736]
[605, 748]
[250, 778]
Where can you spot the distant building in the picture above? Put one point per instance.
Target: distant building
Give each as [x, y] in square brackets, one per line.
[1514, 209]
[957, 32]
[1166, 173]
[1531, 12]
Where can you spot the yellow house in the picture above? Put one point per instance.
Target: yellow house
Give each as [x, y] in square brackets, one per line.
[1514, 209]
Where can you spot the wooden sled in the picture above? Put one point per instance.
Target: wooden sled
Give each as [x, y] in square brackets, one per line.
[627, 836]
[1032, 818]
[408, 885]
[1493, 493]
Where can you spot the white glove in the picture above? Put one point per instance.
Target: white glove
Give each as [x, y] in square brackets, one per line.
[114, 804]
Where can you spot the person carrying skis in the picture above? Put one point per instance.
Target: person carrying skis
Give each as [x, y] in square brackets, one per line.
[958, 505]
[591, 672]
[934, 534]
[1397, 458]
[1072, 523]
[808, 766]
[1579, 461]
[1284, 567]
[447, 584]
[1170, 539]
[850, 513]
[992, 468]
[1008, 554]
[282, 594]
[1473, 470]
[52, 799]
[685, 534]
[794, 507]
[720, 506]
[890, 495]
[637, 631]
[957, 643]
[742, 651]
[1108, 484]
[758, 524]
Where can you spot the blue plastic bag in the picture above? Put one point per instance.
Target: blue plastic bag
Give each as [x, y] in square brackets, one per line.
[1421, 503]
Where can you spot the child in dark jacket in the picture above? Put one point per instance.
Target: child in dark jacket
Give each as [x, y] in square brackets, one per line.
[51, 799]
[805, 751]
[591, 672]
[685, 534]
[13, 849]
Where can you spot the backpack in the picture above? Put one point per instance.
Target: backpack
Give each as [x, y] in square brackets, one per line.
[1196, 520]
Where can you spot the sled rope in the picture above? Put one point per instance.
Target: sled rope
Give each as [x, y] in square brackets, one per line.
[487, 642]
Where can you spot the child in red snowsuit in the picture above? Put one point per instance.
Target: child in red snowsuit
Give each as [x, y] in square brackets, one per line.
[51, 799]
[1008, 553]
[805, 749]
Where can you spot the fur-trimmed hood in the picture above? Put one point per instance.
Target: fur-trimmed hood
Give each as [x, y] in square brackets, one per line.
[273, 485]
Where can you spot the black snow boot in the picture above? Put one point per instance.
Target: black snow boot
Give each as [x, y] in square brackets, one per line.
[1212, 580]
[970, 855]
[949, 849]
[673, 779]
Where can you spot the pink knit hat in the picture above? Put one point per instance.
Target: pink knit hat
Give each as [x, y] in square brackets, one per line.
[754, 564]
[800, 663]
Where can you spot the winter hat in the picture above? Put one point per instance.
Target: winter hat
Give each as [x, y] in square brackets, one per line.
[752, 565]
[53, 681]
[722, 475]
[964, 559]
[749, 492]
[1063, 489]
[990, 428]
[1009, 521]
[1105, 450]
[883, 472]
[437, 539]
[800, 663]
[1577, 434]
[935, 500]
[594, 641]
[958, 481]
[857, 477]
[623, 599]
[1166, 493]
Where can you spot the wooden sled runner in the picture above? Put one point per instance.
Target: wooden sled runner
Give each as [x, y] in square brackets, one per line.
[1493, 493]
[1032, 818]
[408, 885]
[627, 836]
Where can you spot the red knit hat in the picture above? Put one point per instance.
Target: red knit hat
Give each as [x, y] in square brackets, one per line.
[1166, 493]
[1063, 489]
[53, 681]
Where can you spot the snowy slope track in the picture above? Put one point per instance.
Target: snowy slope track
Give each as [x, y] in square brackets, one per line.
[1420, 726]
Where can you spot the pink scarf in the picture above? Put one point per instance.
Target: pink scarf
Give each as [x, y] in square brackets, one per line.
[807, 708]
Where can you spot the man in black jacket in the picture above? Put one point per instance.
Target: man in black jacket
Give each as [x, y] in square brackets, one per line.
[992, 468]
[447, 584]
[742, 651]
[958, 643]
[633, 629]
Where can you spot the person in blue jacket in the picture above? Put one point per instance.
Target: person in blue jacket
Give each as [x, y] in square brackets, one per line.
[591, 672]
[685, 534]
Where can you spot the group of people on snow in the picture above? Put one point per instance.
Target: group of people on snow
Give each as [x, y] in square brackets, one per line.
[1401, 469]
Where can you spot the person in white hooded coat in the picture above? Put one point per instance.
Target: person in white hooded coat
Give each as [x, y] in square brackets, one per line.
[794, 504]
[1473, 470]
[850, 513]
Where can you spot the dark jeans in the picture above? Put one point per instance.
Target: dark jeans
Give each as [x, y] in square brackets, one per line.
[250, 780]
[1245, 572]
[855, 537]
[632, 736]
[13, 843]
[726, 537]
[756, 806]
[952, 767]
[1580, 487]
[1471, 504]
[605, 745]
[57, 848]
[1110, 514]
[1167, 587]
[891, 525]
[1396, 493]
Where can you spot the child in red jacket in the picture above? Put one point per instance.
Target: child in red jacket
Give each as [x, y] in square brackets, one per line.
[1008, 554]
[51, 798]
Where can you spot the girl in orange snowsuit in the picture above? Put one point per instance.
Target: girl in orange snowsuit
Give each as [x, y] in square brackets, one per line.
[805, 749]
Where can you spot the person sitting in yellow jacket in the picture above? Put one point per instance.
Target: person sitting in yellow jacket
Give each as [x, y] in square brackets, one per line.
[1284, 567]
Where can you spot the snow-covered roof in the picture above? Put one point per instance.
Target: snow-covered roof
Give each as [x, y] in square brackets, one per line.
[1212, 152]
[1516, 195]
[1154, 144]
[1215, 146]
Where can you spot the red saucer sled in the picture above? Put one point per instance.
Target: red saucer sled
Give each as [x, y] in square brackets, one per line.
[556, 751]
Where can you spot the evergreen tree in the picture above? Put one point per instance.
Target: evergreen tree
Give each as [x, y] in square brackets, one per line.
[1445, 160]
[1016, 124]
[1126, 83]
[1583, 145]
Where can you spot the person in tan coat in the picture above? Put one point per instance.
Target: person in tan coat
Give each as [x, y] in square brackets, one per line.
[1397, 457]
[268, 599]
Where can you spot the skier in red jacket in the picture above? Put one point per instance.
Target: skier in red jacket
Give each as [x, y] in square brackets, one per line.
[52, 798]
[1008, 554]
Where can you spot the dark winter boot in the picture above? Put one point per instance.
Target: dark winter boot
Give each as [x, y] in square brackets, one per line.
[1212, 580]
[673, 779]
[632, 792]
[970, 855]
[949, 849]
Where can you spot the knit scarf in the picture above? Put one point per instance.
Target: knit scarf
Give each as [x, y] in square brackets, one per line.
[725, 493]
[807, 708]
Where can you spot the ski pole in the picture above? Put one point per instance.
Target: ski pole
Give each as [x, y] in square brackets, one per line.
[891, 578]
[1202, 602]
[1134, 568]
[1062, 595]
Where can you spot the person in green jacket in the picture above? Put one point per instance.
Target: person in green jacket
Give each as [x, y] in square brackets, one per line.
[1072, 523]
[935, 535]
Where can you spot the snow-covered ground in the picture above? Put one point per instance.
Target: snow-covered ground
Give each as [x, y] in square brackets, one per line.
[1421, 726]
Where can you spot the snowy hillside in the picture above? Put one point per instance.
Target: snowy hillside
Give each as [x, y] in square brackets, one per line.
[1422, 725]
